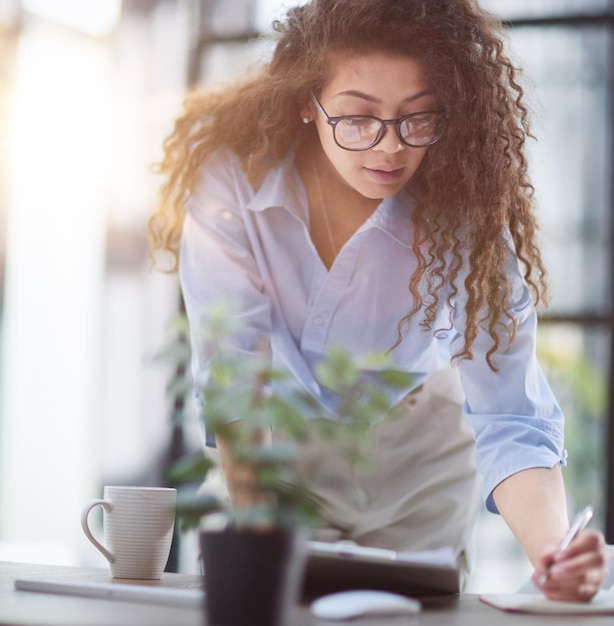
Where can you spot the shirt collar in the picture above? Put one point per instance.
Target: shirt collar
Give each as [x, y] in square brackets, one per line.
[393, 217]
[283, 188]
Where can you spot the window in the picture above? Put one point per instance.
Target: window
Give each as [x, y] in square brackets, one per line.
[565, 48]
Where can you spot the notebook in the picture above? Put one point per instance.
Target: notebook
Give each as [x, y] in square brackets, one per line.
[346, 565]
[602, 603]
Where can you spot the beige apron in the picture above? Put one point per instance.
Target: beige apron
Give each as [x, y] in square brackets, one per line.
[419, 489]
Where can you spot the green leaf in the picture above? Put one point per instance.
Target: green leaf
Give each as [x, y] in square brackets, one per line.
[179, 325]
[280, 453]
[376, 360]
[396, 379]
[178, 352]
[179, 387]
[191, 467]
[191, 508]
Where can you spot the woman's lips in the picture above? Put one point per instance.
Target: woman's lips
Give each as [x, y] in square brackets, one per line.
[386, 174]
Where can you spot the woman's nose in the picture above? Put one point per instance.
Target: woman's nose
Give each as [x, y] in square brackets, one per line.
[390, 142]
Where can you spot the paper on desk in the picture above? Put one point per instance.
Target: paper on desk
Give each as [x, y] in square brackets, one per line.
[446, 556]
[602, 603]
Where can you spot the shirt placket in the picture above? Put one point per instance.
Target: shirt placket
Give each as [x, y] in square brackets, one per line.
[327, 290]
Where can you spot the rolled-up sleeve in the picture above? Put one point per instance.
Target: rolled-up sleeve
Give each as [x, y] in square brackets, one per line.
[516, 419]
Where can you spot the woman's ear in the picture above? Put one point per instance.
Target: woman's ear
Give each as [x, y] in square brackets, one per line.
[306, 115]
[306, 112]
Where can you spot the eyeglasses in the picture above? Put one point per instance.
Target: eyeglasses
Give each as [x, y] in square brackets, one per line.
[361, 132]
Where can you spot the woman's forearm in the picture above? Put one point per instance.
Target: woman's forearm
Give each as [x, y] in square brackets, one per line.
[533, 504]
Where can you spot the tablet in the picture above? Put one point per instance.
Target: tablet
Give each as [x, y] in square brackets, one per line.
[346, 565]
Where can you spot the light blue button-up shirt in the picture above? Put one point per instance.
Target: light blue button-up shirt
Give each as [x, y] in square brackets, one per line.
[253, 247]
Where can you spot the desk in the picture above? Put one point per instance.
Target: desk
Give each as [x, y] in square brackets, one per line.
[24, 608]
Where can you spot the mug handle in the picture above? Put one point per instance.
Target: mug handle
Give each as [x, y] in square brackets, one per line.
[108, 507]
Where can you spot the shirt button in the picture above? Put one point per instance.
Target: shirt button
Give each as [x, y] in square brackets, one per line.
[318, 320]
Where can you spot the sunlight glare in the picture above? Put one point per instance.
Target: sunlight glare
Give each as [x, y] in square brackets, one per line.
[93, 17]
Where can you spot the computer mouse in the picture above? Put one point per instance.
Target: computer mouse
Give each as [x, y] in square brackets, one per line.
[357, 602]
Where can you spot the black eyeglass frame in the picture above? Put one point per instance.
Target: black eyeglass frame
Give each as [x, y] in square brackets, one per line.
[333, 121]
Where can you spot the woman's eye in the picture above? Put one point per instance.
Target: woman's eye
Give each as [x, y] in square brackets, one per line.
[357, 120]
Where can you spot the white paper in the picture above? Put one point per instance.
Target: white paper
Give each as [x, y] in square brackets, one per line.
[602, 603]
[445, 556]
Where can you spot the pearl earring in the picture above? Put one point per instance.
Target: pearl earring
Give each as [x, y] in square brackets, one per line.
[306, 120]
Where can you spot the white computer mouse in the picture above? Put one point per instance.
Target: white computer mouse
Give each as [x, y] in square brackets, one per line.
[350, 604]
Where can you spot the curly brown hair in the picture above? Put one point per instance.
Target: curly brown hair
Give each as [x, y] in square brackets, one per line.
[472, 187]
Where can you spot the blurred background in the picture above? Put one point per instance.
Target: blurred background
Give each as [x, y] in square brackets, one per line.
[88, 91]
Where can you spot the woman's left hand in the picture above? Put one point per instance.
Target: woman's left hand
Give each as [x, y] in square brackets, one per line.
[576, 573]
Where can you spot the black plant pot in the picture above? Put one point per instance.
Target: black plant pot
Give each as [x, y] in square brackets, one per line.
[252, 578]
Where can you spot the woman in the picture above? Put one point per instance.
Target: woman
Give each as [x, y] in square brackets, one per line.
[368, 187]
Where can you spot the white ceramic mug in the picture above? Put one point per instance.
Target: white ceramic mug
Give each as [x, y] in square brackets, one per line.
[138, 529]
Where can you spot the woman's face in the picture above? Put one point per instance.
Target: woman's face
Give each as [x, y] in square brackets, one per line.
[381, 85]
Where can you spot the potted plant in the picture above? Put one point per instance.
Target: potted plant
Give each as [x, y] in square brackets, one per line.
[255, 557]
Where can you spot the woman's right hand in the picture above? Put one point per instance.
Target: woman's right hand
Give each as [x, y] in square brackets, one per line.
[576, 573]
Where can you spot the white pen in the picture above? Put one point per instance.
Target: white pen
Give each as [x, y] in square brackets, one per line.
[579, 523]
